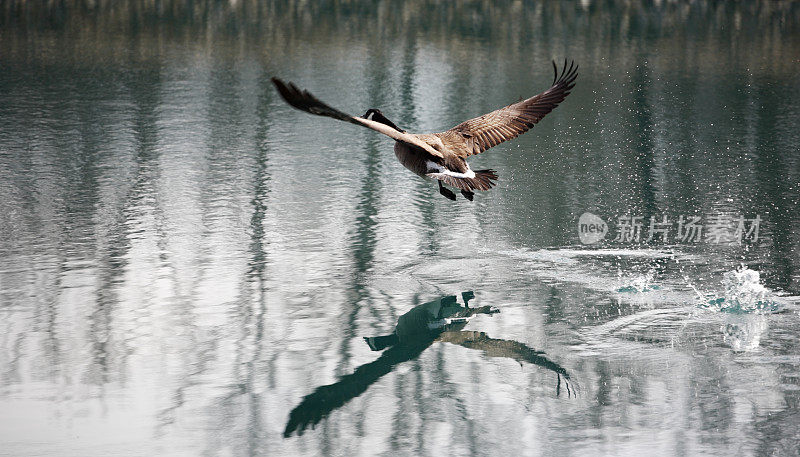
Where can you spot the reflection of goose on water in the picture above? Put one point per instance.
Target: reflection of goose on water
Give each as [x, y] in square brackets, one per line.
[440, 320]
[441, 156]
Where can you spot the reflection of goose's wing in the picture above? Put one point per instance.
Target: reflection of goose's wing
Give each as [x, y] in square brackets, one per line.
[325, 399]
[502, 348]
[509, 349]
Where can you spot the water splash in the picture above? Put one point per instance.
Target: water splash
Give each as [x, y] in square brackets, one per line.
[743, 294]
[639, 283]
[743, 332]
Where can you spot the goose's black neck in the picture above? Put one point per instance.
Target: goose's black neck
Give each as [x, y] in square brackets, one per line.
[377, 116]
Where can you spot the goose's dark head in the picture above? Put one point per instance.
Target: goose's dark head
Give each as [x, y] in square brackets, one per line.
[377, 116]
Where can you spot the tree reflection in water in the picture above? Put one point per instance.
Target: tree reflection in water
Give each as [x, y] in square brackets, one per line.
[440, 320]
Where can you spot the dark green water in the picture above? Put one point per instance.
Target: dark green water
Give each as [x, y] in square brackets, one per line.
[188, 266]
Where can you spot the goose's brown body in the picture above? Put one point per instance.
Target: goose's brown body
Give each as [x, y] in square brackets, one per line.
[441, 156]
[412, 158]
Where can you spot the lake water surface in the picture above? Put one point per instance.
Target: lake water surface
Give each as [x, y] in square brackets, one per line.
[189, 266]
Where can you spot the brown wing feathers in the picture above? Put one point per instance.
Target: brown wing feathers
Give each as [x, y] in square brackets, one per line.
[305, 101]
[493, 128]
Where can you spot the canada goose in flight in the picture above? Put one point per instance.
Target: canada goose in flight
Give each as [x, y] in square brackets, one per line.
[441, 156]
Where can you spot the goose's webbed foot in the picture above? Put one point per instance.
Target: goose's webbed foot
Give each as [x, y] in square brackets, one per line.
[446, 192]
[469, 195]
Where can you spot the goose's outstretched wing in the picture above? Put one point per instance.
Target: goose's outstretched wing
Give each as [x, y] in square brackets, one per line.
[305, 101]
[477, 135]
